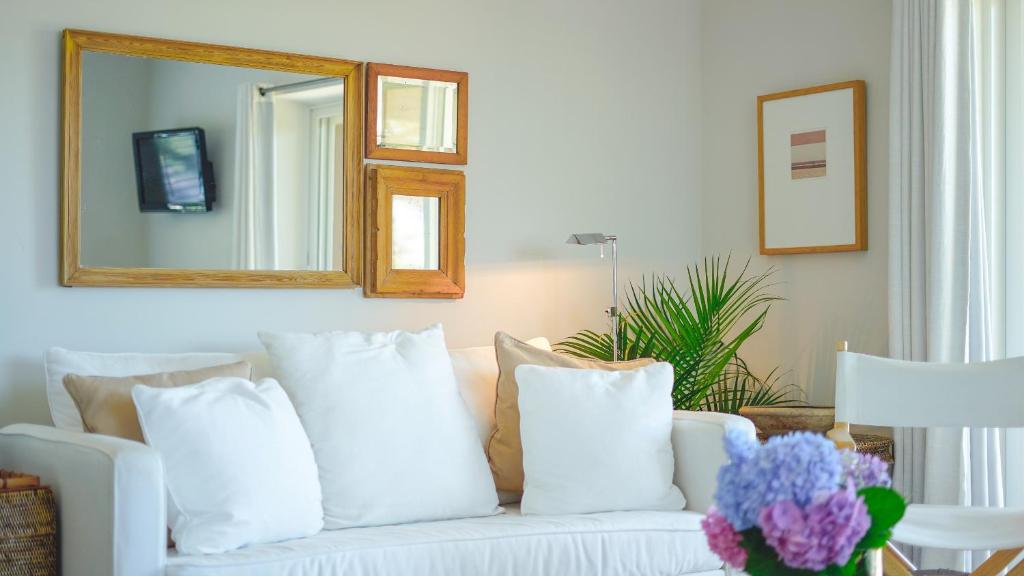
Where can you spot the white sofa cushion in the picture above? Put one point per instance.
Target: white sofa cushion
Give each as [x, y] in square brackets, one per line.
[476, 371]
[393, 439]
[60, 362]
[645, 543]
[597, 440]
[238, 466]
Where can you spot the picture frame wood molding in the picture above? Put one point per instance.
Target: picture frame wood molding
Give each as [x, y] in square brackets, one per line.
[383, 182]
[73, 273]
[811, 157]
[377, 152]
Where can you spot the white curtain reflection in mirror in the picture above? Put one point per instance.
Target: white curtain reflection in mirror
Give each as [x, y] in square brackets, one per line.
[414, 228]
[291, 178]
[256, 247]
[416, 114]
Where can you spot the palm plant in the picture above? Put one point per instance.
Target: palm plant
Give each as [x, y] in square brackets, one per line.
[699, 333]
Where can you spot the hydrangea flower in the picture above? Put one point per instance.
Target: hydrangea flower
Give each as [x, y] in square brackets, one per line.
[864, 470]
[796, 467]
[823, 533]
[723, 539]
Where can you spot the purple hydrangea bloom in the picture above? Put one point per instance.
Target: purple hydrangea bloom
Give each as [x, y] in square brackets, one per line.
[864, 470]
[723, 539]
[823, 533]
[794, 467]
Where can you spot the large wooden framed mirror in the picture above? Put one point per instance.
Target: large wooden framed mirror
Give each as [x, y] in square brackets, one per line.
[191, 164]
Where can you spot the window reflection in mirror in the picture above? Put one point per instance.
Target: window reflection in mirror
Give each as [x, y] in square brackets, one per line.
[416, 114]
[272, 179]
[414, 228]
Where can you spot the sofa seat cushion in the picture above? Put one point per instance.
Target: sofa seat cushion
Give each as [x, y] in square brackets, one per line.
[648, 543]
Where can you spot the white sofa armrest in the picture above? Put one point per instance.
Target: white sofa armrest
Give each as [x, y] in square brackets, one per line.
[699, 453]
[109, 492]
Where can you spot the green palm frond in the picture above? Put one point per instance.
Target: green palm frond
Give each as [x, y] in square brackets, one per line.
[698, 332]
[738, 387]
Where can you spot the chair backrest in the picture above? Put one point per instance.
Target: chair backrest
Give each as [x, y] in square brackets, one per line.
[883, 392]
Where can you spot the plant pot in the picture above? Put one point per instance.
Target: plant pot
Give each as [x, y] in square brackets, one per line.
[775, 420]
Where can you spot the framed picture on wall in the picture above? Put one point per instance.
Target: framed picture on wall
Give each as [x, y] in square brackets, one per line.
[812, 169]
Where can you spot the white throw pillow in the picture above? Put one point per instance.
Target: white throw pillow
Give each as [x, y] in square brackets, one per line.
[238, 467]
[597, 440]
[393, 439]
[60, 362]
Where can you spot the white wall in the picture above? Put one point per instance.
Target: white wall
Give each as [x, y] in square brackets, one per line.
[114, 231]
[753, 47]
[584, 116]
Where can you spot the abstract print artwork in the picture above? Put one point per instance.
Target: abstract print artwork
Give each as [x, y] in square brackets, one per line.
[807, 154]
[812, 170]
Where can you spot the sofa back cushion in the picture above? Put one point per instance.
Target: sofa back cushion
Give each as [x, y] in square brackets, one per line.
[476, 371]
[61, 362]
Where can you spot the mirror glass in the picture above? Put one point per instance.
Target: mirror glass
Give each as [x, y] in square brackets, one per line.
[203, 166]
[416, 114]
[415, 221]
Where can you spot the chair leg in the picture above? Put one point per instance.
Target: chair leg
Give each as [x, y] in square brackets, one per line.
[894, 563]
[998, 562]
[1017, 570]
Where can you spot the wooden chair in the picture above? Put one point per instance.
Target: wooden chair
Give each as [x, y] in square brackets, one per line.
[883, 392]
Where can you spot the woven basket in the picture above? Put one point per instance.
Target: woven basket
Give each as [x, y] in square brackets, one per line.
[28, 527]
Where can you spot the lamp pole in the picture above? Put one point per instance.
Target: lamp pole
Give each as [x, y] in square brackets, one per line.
[613, 312]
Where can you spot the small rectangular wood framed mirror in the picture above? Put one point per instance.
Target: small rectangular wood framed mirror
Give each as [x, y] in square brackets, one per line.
[189, 164]
[416, 230]
[417, 114]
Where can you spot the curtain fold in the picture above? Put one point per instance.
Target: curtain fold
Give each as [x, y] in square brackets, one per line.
[944, 179]
[256, 221]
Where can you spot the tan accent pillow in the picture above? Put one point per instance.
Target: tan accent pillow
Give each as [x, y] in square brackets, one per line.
[106, 406]
[505, 449]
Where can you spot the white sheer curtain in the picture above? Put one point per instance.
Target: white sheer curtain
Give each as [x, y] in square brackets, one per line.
[1013, 256]
[947, 182]
[256, 227]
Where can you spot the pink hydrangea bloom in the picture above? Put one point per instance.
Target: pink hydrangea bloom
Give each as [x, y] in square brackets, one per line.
[822, 534]
[723, 539]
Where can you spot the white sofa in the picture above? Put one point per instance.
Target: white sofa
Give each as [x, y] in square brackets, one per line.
[112, 512]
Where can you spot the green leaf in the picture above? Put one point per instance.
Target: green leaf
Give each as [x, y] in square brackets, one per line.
[699, 331]
[886, 508]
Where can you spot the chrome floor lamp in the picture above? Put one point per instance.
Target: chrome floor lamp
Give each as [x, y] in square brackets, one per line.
[601, 239]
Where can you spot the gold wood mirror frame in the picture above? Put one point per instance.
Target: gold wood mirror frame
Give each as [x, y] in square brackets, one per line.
[445, 275]
[73, 273]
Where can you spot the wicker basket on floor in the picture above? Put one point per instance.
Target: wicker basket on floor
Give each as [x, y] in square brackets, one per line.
[28, 527]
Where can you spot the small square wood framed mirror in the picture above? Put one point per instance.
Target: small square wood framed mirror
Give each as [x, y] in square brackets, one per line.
[416, 230]
[416, 114]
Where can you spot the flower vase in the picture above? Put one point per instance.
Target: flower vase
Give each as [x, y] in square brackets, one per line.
[871, 564]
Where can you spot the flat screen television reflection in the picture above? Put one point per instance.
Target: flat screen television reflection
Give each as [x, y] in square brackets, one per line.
[172, 171]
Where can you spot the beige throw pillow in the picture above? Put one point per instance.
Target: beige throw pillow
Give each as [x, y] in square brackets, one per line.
[106, 406]
[505, 449]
